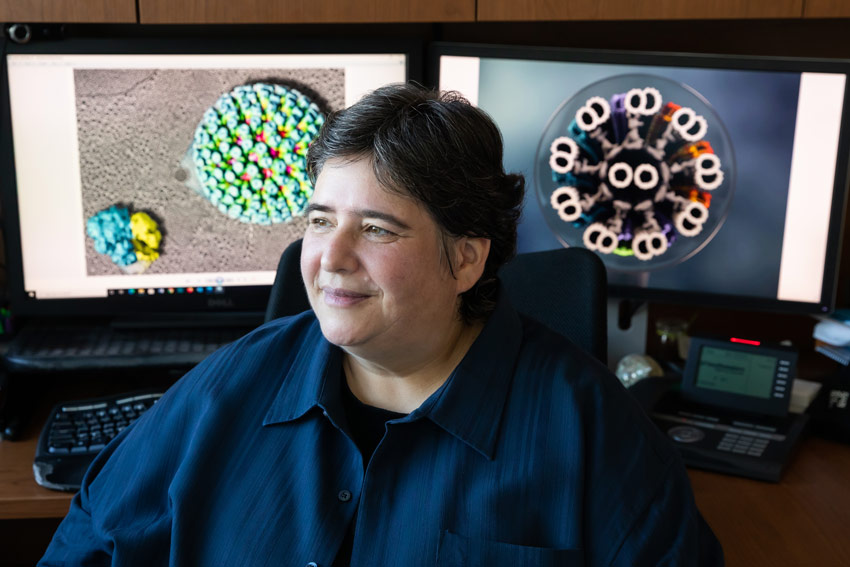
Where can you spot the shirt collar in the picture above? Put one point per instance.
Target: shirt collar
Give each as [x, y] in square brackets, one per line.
[312, 380]
[469, 405]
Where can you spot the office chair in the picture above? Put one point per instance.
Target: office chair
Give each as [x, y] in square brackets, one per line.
[288, 296]
[564, 289]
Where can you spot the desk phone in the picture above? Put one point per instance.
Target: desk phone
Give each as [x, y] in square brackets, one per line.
[731, 414]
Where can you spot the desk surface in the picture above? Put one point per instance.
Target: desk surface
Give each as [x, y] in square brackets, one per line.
[802, 520]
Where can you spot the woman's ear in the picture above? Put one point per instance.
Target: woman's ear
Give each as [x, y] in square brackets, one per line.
[471, 256]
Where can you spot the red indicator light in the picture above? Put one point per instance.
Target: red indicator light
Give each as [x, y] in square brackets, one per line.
[745, 341]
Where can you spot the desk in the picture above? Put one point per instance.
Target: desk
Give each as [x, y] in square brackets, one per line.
[803, 520]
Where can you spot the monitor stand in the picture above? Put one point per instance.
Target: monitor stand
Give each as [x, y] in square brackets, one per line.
[627, 328]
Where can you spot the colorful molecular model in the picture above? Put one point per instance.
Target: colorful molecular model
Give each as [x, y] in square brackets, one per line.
[131, 241]
[250, 152]
[635, 173]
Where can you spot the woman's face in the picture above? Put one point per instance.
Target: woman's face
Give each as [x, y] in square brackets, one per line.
[371, 263]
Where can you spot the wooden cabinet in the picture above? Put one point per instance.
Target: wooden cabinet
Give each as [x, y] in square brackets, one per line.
[303, 11]
[401, 11]
[826, 9]
[70, 11]
[541, 10]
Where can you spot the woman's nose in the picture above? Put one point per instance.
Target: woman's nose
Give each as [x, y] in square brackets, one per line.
[340, 253]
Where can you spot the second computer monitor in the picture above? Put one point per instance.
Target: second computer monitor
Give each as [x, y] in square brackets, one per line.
[715, 180]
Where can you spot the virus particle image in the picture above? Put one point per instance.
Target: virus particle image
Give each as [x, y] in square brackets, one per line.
[633, 173]
[132, 242]
[250, 150]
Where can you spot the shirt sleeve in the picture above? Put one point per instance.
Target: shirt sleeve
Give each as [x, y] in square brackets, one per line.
[640, 508]
[670, 531]
[140, 485]
[75, 542]
[124, 505]
[123, 499]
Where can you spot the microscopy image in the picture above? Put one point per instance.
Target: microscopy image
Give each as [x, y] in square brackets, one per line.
[632, 175]
[137, 136]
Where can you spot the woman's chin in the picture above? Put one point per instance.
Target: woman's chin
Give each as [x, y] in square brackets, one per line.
[341, 336]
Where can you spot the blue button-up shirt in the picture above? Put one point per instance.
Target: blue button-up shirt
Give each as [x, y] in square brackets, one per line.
[531, 453]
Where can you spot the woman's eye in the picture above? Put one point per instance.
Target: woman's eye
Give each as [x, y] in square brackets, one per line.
[378, 231]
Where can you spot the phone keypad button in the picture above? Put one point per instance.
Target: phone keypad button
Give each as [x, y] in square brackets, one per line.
[752, 445]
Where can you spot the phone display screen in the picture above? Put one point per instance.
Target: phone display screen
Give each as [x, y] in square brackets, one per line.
[750, 377]
[736, 372]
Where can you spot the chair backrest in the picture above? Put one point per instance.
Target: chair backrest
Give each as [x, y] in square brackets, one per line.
[564, 289]
[288, 296]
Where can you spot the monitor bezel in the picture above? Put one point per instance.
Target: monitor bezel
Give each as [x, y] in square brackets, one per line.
[235, 299]
[709, 61]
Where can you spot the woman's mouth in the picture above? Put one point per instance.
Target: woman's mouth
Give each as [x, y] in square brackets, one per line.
[341, 297]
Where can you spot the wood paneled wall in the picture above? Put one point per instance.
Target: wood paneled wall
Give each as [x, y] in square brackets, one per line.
[70, 11]
[303, 11]
[379, 11]
[826, 9]
[542, 10]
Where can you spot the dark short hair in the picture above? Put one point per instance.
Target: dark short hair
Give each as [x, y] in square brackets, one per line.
[445, 153]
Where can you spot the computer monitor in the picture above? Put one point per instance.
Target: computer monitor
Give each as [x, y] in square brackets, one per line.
[166, 175]
[712, 180]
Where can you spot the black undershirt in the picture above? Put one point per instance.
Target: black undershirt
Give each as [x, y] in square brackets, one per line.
[366, 424]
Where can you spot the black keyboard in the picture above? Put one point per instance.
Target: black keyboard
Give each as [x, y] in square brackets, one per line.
[75, 347]
[76, 432]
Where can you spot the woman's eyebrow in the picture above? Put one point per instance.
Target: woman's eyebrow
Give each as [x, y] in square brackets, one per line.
[373, 214]
[362, 213]
[316, 207]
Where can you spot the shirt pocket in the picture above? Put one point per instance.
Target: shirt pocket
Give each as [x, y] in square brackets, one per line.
[459, 551]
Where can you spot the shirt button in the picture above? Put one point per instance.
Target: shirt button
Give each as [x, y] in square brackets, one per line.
[312, 564]
[344, 496]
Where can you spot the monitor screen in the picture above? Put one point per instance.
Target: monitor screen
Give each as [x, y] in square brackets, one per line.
[166, 176]
[707, 179]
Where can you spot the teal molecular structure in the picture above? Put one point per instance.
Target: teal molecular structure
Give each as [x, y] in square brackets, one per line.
[250, 152]
[112, 235]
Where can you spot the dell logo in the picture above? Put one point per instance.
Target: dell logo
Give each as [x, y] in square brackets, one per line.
[220, 302]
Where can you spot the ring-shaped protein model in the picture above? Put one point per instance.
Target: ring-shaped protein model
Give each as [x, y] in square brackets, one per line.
[635, 173]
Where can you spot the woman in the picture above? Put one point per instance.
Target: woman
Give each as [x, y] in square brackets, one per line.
[412, 417]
